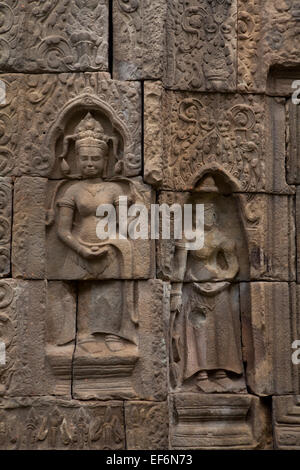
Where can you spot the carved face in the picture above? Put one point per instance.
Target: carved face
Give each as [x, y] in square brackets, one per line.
[90, 161]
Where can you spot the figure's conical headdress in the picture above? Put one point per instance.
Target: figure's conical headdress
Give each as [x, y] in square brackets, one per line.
[88, 133]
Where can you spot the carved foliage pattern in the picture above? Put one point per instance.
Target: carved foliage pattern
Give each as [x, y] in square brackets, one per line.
[11, 15]
[249, 24]
[9, 123]
[8, 330]
[139, 38]
[5, 225]
[60, 426]
[268, 34]
[218, 131]
[147, 426]
[54, 35]
[33, 105]
[202, 44]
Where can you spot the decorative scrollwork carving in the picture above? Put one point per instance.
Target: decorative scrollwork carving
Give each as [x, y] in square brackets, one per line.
[129, 6]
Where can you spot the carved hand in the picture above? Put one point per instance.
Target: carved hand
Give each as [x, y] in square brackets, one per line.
[92, 253]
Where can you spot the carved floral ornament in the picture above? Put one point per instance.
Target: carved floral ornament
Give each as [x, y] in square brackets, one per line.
[47, 42]
[128, 6]
[83, 48]
[288, 5]
[203, 52]
[8, 131]
[6, 18]
[227, 140]
[6, 27]
[7, 335]
[61, 427]
[212, 21]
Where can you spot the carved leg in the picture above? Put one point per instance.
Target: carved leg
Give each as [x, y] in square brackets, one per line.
[205, 384]
[228, 384]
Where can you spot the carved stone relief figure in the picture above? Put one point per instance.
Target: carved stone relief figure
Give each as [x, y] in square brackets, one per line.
[106, 320]
[87, 255]
[205, 327]
[107, 309]
[222, 257]
[72, 217]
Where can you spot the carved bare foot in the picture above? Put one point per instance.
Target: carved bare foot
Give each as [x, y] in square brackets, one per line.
[114, 343]
[227, 384]
[89, 345]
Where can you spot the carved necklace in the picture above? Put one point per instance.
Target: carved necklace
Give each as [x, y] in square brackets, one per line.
[93, 189]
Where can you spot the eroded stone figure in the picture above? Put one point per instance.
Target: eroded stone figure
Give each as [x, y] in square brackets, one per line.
[206, 333]
[107, 311]
[88, 255]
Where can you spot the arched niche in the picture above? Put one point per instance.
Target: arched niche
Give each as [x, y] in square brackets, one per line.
[230, 214]
[119, 161]
[225, 181]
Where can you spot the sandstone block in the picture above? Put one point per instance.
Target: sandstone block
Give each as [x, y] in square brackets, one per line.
[121, 350]
[269, 312]
[54, 36]
[40, 249]
[55, 424]
[239, 136]
[147, 425]
[201, 45]
[23, 319]
[139, 39]
[212, 422]
[41, 110]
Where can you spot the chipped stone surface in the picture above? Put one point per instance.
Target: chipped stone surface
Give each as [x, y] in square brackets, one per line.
[235, 229]
[23, 315]
[269, 312]
[147, 425]
[139, 39]
[54, 424]
[54, 36]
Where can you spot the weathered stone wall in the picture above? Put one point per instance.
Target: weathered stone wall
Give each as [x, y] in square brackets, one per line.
[144, 344]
